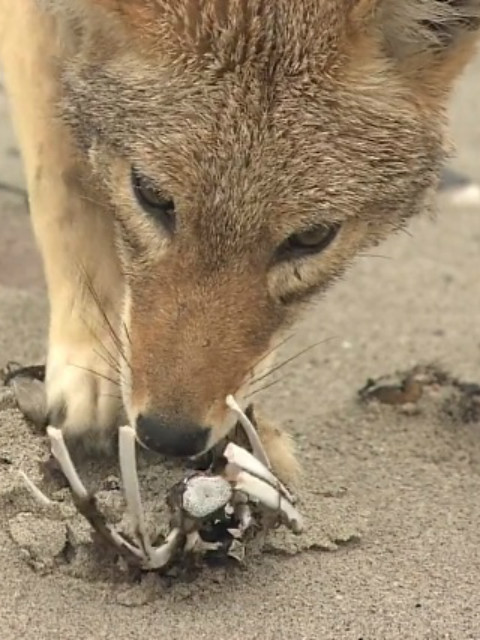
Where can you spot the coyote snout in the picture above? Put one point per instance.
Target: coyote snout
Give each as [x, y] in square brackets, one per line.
[201, 339]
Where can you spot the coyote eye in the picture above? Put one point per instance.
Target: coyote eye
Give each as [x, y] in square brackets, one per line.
[308, 242]
[152, 201]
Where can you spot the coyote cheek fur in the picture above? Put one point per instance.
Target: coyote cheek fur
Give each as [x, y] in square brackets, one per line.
[197, 169]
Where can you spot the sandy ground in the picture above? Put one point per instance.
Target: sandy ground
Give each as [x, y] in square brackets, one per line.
[391, 493]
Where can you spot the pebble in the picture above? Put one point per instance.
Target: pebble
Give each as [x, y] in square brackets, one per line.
[42, 538]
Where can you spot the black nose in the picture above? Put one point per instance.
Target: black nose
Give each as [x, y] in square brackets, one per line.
[172, 436]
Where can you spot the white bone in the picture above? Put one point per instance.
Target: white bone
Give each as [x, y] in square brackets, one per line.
[131, 487]
[61, 454]
[160, 556]
[35, 491]
[237, 551]
[122, 542]
[194, 542]
[245, 477]
[245, 460]
[267, 495]
[250, 431]
[203, 495]
[60, 451]
[243, 513]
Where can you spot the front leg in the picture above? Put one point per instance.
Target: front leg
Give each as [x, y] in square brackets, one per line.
[86, 353]
[271, 445]
[84, 359]
[74, 232]
[280, 448]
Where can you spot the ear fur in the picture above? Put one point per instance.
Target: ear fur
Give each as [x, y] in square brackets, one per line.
[133, 12]
[430, 40]
[137, 18]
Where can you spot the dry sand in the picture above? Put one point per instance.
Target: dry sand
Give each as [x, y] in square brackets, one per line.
[391, 493]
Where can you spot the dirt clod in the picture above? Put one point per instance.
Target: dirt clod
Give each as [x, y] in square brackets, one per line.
[456, 399]
[403, 387]
[42, 540]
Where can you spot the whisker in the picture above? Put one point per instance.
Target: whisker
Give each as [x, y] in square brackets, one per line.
[113, 364]
[96, 373]
[265, 386]
[105, 204]
[406, 232]
[291, 359]
[110, 395]
[127, 333]
[109, 359]
[98, 302]
[374, 255]
[116, 340]
[270, 351]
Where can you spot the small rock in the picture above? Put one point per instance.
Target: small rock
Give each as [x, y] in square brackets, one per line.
[42, 538]
[111, 483]
[132, 596]
[31, 399]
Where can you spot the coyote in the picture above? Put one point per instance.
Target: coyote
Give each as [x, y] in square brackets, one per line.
[198, 169]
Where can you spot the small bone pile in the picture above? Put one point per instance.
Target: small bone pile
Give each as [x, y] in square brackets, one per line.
[210, 511]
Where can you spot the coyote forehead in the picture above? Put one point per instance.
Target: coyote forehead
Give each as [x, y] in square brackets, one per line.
[269, 116]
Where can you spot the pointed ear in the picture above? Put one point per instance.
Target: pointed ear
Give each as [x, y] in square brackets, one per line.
[137, 12]
[429, 40]
[134, 16]
[134, 12]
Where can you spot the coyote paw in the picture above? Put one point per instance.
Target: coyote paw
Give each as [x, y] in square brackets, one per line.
[83, 393]
[278, 444]
[280, 449]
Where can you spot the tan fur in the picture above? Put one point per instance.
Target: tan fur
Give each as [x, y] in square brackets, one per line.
[260, 119]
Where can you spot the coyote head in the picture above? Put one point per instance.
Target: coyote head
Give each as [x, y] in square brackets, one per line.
[250, 148]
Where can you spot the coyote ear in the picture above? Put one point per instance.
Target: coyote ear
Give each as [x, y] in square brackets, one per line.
[431, 40]
[133, 14]
[134, 10]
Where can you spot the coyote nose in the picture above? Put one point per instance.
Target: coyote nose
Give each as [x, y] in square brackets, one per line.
[172, 436]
